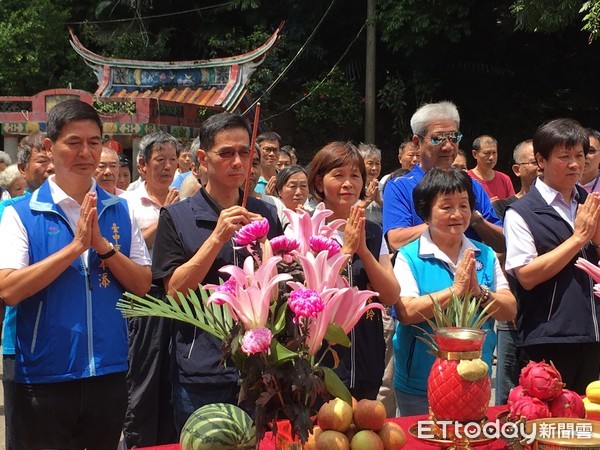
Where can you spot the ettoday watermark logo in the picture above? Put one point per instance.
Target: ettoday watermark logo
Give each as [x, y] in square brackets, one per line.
[449, 430]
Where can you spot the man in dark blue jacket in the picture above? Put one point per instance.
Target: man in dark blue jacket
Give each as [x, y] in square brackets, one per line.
[193, 241]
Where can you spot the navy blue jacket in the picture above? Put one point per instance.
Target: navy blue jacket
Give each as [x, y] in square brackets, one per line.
[182, 229]
[562, 309]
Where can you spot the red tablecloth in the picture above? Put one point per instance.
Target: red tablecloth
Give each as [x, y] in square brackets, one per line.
[413, 443]
[405, 422]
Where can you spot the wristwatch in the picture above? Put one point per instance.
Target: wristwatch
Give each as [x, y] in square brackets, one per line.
[109, 253]
[476, 218]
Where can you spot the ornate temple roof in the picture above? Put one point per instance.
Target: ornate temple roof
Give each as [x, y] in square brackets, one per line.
[218, 83]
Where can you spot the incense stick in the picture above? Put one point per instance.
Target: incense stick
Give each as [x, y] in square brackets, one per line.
[252, 147]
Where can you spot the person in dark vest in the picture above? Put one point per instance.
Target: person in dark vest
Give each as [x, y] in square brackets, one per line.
[555, 223]
[193, 241]
[338, 177]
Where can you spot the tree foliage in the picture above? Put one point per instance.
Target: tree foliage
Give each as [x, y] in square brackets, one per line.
[34, 43]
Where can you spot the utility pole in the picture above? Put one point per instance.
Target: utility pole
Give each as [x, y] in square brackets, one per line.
[370, 94]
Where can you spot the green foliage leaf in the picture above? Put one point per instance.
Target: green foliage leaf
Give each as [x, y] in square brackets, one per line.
[280, 354]
[214, 319]
[337, 335]
[335, 386]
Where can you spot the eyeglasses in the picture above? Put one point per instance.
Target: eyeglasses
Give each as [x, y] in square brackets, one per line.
[528, 163]
[228, 154]
[592, 151]
[267, 150]
[438, 138]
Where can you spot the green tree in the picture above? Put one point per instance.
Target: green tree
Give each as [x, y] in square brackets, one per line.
[551, 15]
[333, 110]
[34, 41]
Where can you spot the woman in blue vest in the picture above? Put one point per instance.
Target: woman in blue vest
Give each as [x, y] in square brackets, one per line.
[337, 177]
[440, 263]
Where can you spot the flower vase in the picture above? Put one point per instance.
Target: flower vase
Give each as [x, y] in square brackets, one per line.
[458, 387]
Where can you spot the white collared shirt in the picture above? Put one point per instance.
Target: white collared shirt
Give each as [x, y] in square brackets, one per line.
[520, 245]
[15, 245]
[145, 210]
[427, 249]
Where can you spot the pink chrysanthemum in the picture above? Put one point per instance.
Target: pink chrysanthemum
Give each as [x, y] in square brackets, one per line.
[256, 340]
[320, 243]
[283, 244]
[252, 232]
[228, 287]
[306, 303]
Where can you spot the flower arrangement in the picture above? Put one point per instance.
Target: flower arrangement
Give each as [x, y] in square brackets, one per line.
[278, 316]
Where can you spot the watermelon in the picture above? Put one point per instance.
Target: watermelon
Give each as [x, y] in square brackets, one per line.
[218, 426]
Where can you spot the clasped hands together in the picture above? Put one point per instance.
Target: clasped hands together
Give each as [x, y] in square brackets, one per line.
[587, 222]
[87, 230]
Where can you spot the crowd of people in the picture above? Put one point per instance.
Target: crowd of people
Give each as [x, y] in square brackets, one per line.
[79, 233]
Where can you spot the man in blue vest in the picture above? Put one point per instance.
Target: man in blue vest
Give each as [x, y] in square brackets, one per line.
[36, 166]
[71, 251]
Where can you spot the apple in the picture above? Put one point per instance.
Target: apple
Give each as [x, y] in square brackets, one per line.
[369, 414]
[335, 415]
[366, 440]
[332, 440]
[392, 435]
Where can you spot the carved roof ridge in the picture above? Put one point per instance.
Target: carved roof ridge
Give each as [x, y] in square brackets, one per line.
[94, 59]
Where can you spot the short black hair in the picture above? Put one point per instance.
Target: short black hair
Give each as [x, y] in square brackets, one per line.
[68, 111]
[123, 160]
[440, 181]
[268, 136]
[285, 174]
[217, 123]
[566, 133]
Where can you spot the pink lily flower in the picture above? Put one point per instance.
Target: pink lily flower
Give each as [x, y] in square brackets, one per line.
[343, 307]
[592, 270]
[251, 301]
[303, 225]
[352, 303]
[321, 272]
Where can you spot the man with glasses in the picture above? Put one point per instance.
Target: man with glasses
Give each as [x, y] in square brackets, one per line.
[193, 242]
[496, 184]
[270, 148]
[591, 172]
[435, 127]
[526, 168]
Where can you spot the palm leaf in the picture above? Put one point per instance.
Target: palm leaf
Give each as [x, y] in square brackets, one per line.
[214, 319]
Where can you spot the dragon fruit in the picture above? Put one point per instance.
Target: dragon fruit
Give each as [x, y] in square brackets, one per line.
[567, 404]
[515, 394]
[541, 380]
[530, 408]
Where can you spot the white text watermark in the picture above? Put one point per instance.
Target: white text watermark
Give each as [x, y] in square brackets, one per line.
[447, 430]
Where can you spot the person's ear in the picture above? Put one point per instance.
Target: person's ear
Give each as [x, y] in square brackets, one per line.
[516, 168]
[474, 153]
[201, 154]
[48, 146]
[417, 141]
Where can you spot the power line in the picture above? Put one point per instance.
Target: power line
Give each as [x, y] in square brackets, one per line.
[286, 68]
[156, 16]
[324, 78]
